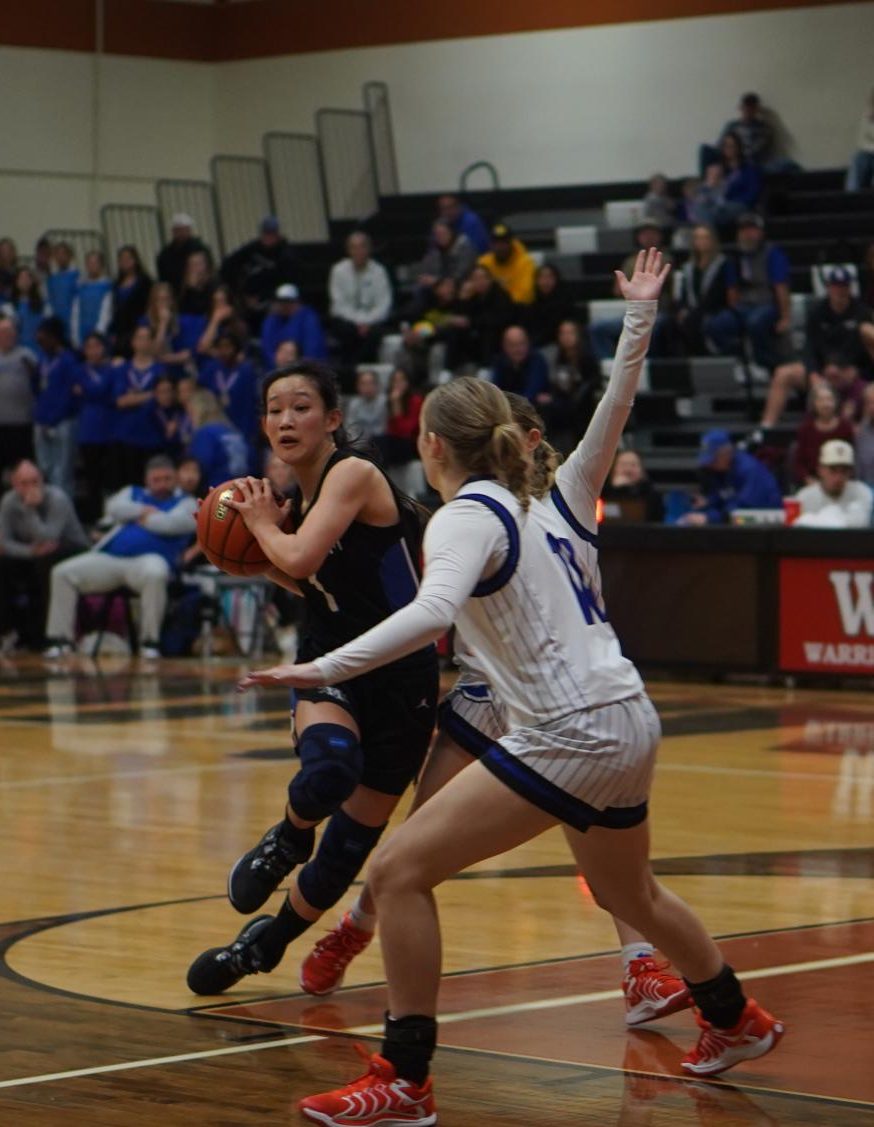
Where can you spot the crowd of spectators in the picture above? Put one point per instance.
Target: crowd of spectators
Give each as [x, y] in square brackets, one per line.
[109, 380]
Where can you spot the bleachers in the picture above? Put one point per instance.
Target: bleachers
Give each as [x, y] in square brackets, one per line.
[322, 183]
[575, 227]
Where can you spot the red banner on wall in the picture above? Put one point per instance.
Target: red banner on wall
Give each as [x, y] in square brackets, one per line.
[827, 616]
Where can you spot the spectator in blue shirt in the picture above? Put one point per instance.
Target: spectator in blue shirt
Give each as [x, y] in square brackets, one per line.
[233, 382]
[91, 311]
[168, 415]
[464, 221]
[763, 310]
[28, 306]
[62, 283]
[731, 479]
[153, 526]
[519, 367]
[730, 187]
[290, 319]
[54, 416]
[138, 435]
[93, 387]
[220, 449]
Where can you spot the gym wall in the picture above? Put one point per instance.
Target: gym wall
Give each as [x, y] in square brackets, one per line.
[600, 102]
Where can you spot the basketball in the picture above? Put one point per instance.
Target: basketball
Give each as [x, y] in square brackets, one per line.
[223, 536]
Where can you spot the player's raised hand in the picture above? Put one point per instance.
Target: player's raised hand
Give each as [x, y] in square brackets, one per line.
[648, 279]
[306, 676]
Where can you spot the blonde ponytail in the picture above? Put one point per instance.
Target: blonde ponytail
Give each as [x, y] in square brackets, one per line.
[507, 451]
[545, 457]
[473, 417]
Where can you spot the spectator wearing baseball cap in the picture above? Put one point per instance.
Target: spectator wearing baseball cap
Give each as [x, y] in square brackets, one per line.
[838, 344]
[255, 270]
[835, 500]
[752, 128]
[763, 310]
[510, 264]
[290, 319]
[730, 479]
[172, 258]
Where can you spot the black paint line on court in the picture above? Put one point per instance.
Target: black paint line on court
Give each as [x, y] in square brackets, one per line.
[555, 960]
[23, 929]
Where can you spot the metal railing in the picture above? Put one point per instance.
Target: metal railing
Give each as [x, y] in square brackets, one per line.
[242, 191]
[136, 224]
[197, 199]
[82, 241]
[348, 163]
[297, 186]
[480, 166]
[377, 104]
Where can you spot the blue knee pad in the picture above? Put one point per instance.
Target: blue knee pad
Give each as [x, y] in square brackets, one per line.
[345, 846]
[331, 765]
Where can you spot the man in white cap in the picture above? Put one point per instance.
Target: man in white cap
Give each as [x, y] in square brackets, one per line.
[290, 319]
[183, 242]
[835, 501]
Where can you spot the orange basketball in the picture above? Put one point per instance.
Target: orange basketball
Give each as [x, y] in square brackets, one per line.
[224, 538]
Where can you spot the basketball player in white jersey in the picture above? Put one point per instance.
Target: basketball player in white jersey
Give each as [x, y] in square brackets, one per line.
[580, 751]
[470, 720]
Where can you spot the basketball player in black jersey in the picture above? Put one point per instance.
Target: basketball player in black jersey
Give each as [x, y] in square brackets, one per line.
[354, 557]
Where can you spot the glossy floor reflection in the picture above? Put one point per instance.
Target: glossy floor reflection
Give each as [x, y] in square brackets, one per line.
[126, 791]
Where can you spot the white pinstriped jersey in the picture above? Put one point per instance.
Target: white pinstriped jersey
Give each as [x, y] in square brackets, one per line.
[541, 638]
[585, 544]
[538, 634]
[580, 478]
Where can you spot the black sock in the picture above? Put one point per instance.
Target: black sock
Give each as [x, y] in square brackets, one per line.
[409, 1045]
[273, 940]
[720, 1000]
[301, 841]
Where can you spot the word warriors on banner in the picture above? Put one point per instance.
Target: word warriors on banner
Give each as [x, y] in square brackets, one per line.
[827, 616]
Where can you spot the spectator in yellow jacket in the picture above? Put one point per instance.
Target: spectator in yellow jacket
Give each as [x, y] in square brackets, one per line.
[510, 264]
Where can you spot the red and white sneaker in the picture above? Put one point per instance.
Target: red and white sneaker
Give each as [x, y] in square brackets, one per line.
[755, 1034]
[325, 966]
[652, 992]
[377, 1099]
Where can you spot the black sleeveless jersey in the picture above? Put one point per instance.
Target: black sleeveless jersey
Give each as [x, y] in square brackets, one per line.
[368, 574]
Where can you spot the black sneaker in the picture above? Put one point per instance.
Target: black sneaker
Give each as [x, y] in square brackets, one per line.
[258, 873]
[220, 968]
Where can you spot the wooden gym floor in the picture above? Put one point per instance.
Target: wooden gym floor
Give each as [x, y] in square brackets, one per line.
[127, 791]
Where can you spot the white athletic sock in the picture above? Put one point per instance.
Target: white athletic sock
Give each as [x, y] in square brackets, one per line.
[364, 921]
[632, 951]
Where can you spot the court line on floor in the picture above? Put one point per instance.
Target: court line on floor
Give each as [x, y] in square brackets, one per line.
[156, 1062]
[444, 1019]
[613, 995]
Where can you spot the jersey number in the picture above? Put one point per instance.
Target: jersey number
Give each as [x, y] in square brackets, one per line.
[565, 552]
